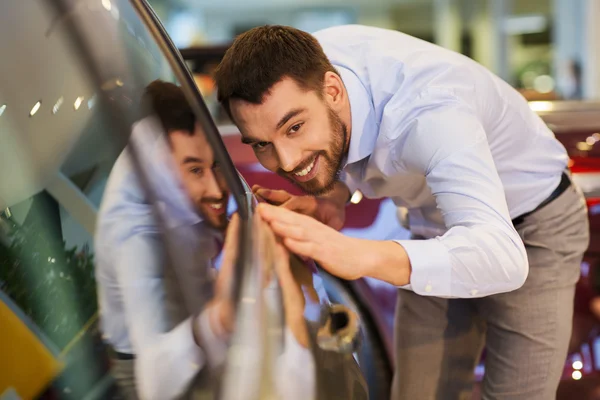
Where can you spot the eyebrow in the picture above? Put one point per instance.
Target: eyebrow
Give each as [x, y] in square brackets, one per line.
[249, 140]
[193, 160]
[289, 115]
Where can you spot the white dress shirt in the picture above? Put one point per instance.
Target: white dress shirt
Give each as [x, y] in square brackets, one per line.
[136, 316]
[454, 144]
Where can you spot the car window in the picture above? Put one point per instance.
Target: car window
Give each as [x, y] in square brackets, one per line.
[101, 179]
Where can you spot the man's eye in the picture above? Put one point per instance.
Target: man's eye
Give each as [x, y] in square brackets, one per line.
[295, 128]
[260, 145]
[197, 171]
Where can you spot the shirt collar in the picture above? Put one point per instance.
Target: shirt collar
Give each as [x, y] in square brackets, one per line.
[364, 127]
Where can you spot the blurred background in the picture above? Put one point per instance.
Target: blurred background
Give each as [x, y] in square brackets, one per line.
[546, 48]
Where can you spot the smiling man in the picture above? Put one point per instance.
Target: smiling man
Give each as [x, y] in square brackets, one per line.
[162, 334]
[499, 229]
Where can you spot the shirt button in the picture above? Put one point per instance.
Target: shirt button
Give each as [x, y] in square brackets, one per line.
[428, 288]
[474, 292]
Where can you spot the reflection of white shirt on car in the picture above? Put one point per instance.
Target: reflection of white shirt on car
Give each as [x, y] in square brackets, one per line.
[458, 147]
[136, 316]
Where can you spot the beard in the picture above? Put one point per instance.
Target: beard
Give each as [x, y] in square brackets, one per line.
[330, 161]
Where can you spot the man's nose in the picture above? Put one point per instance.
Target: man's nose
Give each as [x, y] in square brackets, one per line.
[289, 158]
[212, 187]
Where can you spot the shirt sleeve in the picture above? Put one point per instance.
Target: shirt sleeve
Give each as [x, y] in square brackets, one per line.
[166, 360]
[295, 375]
[481, 253]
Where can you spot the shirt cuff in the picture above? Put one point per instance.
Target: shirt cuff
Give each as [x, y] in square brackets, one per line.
[431, 267]
[214, 347]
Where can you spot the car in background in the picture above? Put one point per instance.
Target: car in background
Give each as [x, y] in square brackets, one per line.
[575, 124]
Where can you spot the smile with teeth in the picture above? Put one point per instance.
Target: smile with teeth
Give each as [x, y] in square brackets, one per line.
[216, 206]
[306, 170]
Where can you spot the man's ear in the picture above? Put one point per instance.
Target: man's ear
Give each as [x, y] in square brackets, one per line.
[335, 91]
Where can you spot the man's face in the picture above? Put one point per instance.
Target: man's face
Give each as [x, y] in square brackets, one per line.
[201, 177]
[296, 134]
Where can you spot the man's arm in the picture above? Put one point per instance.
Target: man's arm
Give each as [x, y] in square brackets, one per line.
[480, 254]
[166, 360]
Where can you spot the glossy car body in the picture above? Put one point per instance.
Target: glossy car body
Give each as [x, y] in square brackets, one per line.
[576, 125]
[66, 110]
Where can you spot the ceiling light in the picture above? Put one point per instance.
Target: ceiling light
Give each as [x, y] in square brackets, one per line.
[57, 105]
[107, 4]
[543, 84]
[78, 102]
[35, 108]
[2, 108]
[583, 146]
[577, 365]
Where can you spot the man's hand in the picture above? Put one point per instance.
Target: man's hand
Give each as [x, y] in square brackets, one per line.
[328, 211]
[342, 256]
[222, 316]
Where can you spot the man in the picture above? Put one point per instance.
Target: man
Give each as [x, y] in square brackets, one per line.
[166, 324]
[483, 179]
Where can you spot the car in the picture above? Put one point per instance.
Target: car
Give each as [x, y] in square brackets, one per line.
[576, 124]
[71, 91]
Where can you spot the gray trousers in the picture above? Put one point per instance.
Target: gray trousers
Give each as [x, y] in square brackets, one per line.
[525, 332]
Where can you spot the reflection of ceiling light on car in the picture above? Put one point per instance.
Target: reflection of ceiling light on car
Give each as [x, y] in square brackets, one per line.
[35, 108]
[2, 108]
[57, 105]
[577, 365]
[111, 84]
[539, 106]
[107, 4]
[577, 375]
[591, 140]
[91, 102]
[78, 102]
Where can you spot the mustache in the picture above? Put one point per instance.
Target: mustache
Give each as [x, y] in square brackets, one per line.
[213, 200]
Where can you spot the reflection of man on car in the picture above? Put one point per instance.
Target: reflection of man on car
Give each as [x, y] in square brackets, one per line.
[160, 343]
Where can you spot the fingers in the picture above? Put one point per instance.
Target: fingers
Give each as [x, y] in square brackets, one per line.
[301, 248]
[271, 213]
[283, 230]
[276, 197]
[229, 256]
[302, 204]
[293, 298]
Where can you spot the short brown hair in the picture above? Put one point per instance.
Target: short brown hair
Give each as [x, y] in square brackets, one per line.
[262, 56]
[167, 101]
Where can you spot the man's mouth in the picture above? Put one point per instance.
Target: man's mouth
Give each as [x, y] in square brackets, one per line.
[308, 172]
[216, 208]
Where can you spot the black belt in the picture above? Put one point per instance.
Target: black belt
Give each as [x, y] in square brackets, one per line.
[565, 182]
[123, 356]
